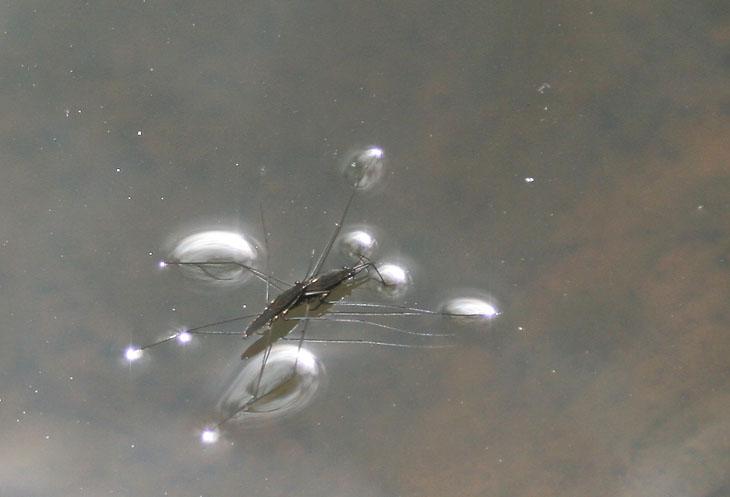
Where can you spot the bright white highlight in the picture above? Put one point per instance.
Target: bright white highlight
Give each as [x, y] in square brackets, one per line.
[221, 255]
[358, 243]
[132, 354]
[162, 264]
[395, 280]
[365, 167]
[471, 307]
[374, 152]
[393, 275]
[184, 337]
[210, 436]
[282, 389]
[217, 243]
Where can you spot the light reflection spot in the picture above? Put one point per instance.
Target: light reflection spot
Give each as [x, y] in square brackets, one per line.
[209, 436]
[358, 243]
[218, 257]
[364, 168]
[132, 354]
[471, 307]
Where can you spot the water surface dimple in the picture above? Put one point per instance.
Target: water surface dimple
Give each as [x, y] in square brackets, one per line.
[224, 257]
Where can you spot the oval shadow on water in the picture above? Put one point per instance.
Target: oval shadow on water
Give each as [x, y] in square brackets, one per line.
[290, 380]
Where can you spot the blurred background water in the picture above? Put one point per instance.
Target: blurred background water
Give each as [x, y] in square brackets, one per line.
[570, 160]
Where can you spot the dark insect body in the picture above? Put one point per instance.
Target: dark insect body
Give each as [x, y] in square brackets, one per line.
[314, 296]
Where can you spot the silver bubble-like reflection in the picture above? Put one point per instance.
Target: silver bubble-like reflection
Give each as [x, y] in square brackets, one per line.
[391, 280]
[365, 167]
[224, 254]
[290, 380]
[470, 308]
[358, 243]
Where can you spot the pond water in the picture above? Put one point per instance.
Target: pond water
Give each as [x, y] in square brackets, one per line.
[560, 168]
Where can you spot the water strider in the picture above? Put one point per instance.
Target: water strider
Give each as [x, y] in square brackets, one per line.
[311, 299]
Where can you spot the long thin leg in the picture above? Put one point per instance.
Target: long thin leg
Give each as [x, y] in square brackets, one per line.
[301, 340]
[371, 323]
[375, 342]
[199, 330]
[266, 250]
[267, 352]
[280, 284]
[395, 310]
[338, 227]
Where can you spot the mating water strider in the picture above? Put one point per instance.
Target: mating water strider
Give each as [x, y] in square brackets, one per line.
[313, 299]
